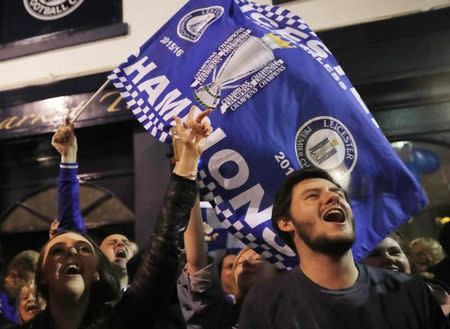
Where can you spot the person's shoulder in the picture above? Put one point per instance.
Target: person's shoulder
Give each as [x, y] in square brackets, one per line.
[391, 279]
[378, 272]
[265, 298]
[275, 286]
[443, 265]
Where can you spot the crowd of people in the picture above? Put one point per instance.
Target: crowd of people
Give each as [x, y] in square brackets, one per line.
[75, 282]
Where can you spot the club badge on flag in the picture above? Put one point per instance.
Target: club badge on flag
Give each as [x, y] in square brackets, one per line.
[282, 102]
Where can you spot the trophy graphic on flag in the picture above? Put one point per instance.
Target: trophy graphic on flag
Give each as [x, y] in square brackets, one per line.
[251, 56]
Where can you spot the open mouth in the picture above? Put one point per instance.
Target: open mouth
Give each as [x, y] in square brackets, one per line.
[393, 268]
[31, 308]
[121, 253]
[71, 269]
[335, 215]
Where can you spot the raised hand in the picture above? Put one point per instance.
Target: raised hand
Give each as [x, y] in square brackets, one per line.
[53, 228]
[194, 130]
[190, 135]
[210, 235]
[65, 142]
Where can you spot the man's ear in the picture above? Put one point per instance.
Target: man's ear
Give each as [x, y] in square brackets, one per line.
[285, 224]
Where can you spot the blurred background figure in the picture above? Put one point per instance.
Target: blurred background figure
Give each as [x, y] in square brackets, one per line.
[226, 272]
[425, 253]
[20, 270]
[249, 269]
[28, 303]
[441, 270]
[119, 250]
[392, 254]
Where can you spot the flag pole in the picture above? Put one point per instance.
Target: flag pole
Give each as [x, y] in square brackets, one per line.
[83, 107]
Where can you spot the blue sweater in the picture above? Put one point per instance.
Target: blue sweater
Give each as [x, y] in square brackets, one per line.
[69, 213]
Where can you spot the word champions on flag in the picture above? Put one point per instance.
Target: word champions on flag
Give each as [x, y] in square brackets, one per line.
[281, 102]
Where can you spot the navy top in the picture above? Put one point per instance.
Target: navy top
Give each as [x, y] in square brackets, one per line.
[379, 299]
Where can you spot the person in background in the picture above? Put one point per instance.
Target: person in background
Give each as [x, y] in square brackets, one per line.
[203, 300]
[328, 289]
[425, 252]
[28, 304]
[119, 250]
[391, 254]
[117, 247]
[441, 270]
[20, 270]
[225, 268]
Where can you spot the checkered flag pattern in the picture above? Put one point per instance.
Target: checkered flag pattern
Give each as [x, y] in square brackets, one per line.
[231, 222]
[280, 15]
[150, 120]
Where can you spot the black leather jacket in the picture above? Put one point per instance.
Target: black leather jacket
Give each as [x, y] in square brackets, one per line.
[155, 279]
[148, 295]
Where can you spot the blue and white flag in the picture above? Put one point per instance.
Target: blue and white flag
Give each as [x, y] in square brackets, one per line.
[281, 102]
[224, 242]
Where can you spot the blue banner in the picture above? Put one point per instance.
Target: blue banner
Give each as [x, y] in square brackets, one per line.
[281, 102]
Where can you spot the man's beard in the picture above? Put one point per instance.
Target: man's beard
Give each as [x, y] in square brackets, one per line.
[335, 247]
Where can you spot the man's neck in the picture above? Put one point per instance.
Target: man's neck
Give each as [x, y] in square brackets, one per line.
[327, 271]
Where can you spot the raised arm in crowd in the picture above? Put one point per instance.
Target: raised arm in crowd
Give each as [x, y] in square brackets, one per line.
[80, 285]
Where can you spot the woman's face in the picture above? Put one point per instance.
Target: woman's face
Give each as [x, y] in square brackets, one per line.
[389, 255]
[69, 265]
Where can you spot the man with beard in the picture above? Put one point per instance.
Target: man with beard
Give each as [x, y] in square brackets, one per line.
[328, 290]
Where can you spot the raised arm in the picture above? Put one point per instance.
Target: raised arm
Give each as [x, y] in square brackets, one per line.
[188, 144]
[157, 272]
[194, 241]
[69, 215]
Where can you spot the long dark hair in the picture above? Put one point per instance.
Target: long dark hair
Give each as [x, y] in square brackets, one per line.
[104, 292]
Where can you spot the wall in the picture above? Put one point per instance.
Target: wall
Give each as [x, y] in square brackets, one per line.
[328, 14]
[145, 17]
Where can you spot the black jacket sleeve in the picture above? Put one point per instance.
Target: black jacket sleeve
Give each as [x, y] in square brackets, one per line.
[153, 283]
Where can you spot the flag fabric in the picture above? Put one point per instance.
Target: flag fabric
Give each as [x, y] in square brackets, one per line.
[281, 102]
[225, 242]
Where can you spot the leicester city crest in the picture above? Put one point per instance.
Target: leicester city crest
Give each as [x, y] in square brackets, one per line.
[192, 26]
[326, 143]
[51, 9]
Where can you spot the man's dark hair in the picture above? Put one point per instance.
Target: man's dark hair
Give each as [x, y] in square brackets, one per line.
[283, 198]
